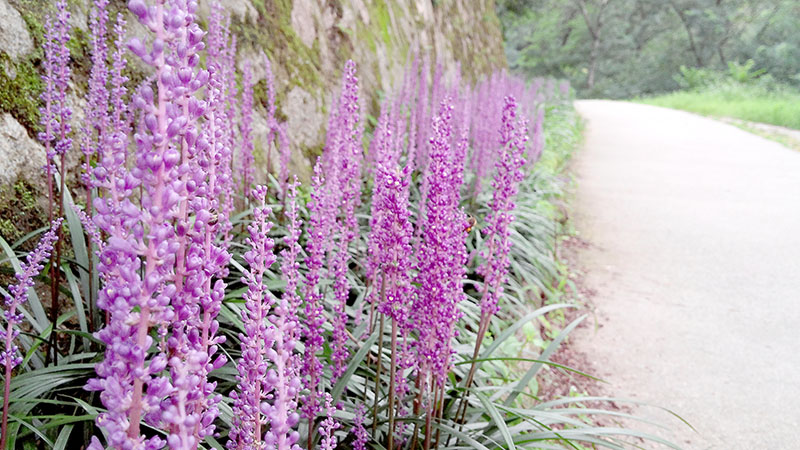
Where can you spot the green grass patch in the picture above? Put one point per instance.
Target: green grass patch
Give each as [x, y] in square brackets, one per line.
[753, 103]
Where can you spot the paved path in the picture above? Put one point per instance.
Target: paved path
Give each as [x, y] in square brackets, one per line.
[694, 228]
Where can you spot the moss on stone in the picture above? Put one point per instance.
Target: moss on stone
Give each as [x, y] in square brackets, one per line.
[20, 81]
[20, 87]
[19, 211]
[273, 32]
[379, 14]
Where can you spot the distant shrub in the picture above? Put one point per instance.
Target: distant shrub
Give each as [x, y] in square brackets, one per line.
[743, 73]
[694, 78]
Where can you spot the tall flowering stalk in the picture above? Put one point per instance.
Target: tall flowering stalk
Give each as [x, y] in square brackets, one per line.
[319, 232]
[94, 133]
[380, 147]
[110, 174]
[246, 159]
[538, 139]
[271, 109]
[336, 181]
[441, 265]
[359, 432]
[328, 426]
[113, 156]
[350, 157]
[392, 235]
[55, 119]
[494, 268]
[284, 323]
[435, 299]
[95, 136]
[268, 377]
[17, 295]
[228, 67]
[221, 55]
[389, 252]
[290, 266]
[140, 255]
[508, 175]
[285, 155]
[276, 131]
[253, 384]
[194, 406]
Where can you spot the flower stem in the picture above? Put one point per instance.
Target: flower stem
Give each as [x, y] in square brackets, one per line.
[392, 372]
[428, 414]
[6, 392]
[377, 378]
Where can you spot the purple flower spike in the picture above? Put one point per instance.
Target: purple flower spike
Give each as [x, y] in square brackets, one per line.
[17, 295]
[508, 175]
[94, 136]
[284, 325]
[360, 433]
[194, 342]
[63, 76]
[442, 255]
[349, 155]
[390, 242]
[318, 230]
[142, 263]
[246, 160]
[286, 154]
[253, 380]
[538, 139]
[328, 426]
[290, 267]
[55, 115]
[269, 396]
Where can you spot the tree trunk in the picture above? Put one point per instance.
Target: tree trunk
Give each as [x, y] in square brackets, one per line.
[594, 27]
[593, 63]
[688, 28]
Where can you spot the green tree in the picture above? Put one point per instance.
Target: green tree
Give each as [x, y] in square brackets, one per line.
[623, 48]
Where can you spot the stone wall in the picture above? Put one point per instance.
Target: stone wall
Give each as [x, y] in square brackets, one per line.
[307, 41]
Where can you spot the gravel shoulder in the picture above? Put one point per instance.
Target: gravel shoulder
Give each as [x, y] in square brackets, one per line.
[693, 228]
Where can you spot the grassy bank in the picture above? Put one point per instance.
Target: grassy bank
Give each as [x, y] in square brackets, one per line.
[753, 103]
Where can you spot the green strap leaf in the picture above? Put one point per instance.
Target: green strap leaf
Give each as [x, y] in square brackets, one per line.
[352, 366]
[523, 382]
[497, 418]
[508, 332]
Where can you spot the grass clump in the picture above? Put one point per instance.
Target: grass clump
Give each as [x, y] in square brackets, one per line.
[740, 101]
[740, 93]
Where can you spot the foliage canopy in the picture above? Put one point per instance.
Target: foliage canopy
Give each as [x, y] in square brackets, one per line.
[626, 48]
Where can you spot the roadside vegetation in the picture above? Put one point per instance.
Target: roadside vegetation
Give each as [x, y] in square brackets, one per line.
[410, 297]
[741, 92]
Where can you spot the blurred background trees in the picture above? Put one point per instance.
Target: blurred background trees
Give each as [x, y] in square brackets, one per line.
[628, 48]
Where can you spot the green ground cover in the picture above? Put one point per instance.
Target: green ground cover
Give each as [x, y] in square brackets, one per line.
[781, 110]
[739, 93]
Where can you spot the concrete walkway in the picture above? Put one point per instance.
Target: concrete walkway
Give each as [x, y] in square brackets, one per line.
[694, 228]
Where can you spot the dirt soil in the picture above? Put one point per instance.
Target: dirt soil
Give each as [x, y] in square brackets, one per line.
[691, 255]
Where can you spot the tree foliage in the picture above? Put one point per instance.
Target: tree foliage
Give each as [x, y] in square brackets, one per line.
[624, 48]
